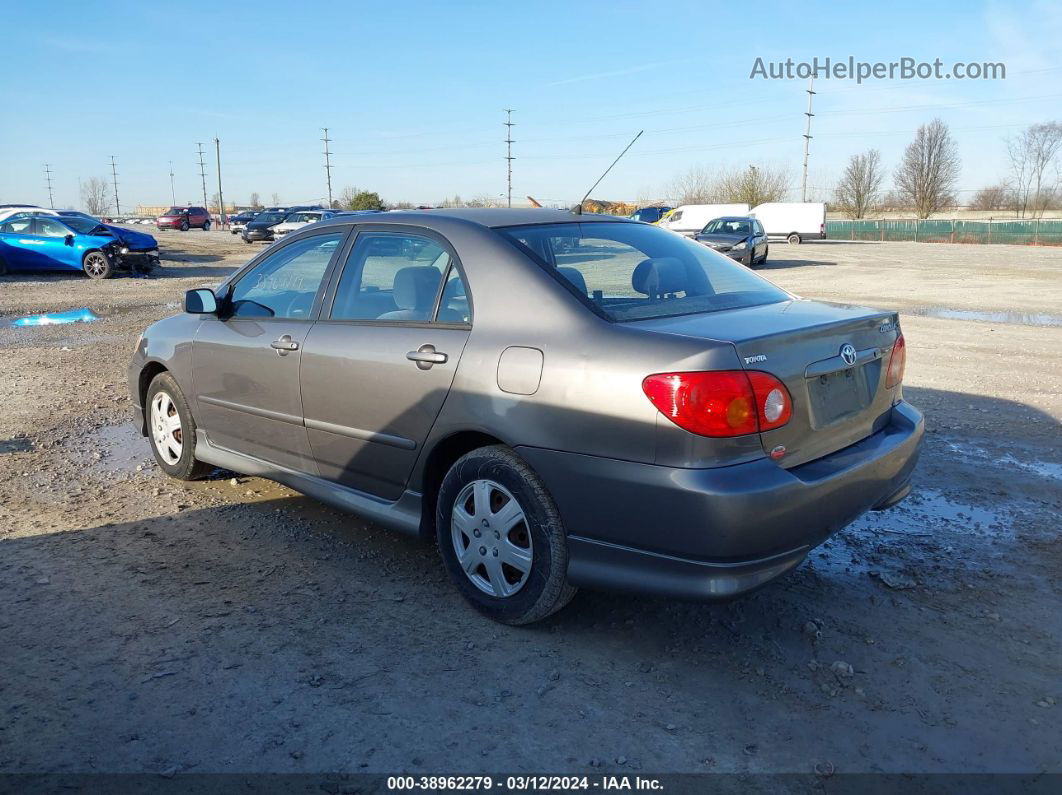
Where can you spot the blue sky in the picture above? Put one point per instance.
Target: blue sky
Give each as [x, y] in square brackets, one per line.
[413, 93]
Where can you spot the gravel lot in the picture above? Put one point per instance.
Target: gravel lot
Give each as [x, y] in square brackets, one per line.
[154, 626]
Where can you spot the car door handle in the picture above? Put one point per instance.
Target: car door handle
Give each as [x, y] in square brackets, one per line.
[425, 356]
[284, 345]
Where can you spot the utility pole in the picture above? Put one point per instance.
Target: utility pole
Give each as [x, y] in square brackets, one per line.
[173, 194]
[48, 177]
[114, 173]
[328, 165]
[221, 199]
[509, 151]
[807, 141]
[202, 174]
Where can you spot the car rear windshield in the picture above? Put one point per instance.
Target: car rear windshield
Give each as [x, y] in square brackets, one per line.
[629, 271]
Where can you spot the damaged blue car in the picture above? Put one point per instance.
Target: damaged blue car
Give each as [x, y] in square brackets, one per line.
[38, 242]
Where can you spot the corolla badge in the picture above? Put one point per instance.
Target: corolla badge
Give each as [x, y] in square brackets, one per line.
[848, 353]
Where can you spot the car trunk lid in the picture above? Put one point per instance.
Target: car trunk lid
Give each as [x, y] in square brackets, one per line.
[837, 400]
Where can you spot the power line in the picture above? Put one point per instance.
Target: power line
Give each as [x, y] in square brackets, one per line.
[328, 165]
[114, 173]
[48, 177]
[221, 198]
[509, 150]
[807, 140]
[202, 172]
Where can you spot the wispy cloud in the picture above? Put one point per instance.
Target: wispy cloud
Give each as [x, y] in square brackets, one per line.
[616, 73]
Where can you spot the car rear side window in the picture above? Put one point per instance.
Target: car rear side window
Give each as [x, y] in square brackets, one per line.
[395, 277]
[630, 271]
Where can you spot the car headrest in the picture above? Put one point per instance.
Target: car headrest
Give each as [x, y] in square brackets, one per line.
[415, 287]
[575, 276]
[659, 276]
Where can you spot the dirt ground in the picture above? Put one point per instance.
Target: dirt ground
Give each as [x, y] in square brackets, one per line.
[154, 626]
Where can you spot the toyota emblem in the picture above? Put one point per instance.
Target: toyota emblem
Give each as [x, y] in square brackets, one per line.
[848, 353]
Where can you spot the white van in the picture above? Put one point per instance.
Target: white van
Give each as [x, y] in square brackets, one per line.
[792, 221]
[689, 219]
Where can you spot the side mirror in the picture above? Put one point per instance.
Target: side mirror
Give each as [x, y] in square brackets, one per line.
[201, 302]
[69, 240]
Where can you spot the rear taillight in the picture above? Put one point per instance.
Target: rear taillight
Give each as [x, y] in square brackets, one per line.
[721, 402]
[897, 363]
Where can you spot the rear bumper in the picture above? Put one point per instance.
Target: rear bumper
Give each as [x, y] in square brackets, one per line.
[716, 533]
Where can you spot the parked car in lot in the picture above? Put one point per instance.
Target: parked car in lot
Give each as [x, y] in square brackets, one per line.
[184, 218]
[261, 227]
[37, 242]
[299, 219]
[638, 412]
[792, 221]
[650, 215]
[240, 220]
[739, 237]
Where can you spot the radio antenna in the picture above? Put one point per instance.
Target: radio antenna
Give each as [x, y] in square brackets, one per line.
[578, 209]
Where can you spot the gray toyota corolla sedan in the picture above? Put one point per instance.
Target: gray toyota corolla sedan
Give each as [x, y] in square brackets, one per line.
[559, 400]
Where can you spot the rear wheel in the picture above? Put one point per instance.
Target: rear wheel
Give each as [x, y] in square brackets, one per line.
[501, 537]
[97, 265]
[793, 239]
[171, 429]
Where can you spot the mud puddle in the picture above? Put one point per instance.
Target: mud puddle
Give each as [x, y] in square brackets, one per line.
[1004, 317]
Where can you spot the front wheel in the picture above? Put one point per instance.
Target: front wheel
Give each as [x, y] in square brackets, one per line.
[206, 226]
[501, 537]
[171, 429]
[97, 265]
[793, 239]
[766, 250]
[184, 226]
[3, 267]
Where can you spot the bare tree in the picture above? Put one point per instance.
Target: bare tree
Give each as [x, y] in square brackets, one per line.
[753, 185]
[857, 192]
[254, 200]
[929, 170]
[94, 195]
[993, 197]
[1034, 167]
[696, 186]
[276, 199]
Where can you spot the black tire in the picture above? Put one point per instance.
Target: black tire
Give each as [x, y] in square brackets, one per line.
[206, 226]
[545, 589]
[184, 226]
[3, 267]
[749, 259]
[97, 265]
[186, 467]
[766, 251]
[794, 239]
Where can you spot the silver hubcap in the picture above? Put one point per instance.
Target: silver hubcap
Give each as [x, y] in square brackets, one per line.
[166, 428]
[491, 538]
[95, 264]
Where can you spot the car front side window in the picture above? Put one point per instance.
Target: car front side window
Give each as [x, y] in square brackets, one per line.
[285, 283]
[46, 227]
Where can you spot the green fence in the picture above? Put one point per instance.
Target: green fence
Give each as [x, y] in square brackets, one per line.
[1046, 232]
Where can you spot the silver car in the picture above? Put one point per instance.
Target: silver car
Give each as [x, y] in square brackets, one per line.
[559, 400]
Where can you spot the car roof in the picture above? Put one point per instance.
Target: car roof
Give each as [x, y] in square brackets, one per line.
[734, 218]
[490, 217]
